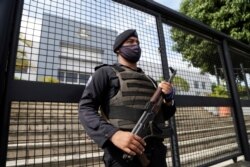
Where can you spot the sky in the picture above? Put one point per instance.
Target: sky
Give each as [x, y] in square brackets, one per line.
[173, 4]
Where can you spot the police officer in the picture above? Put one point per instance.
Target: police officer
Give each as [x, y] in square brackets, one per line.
[120, 92]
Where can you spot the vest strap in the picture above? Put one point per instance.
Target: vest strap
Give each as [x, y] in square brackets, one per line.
[117, 68]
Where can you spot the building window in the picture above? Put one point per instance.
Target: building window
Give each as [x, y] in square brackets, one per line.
[83, 34]
[196, 84]
[73, 77]
[203, 85]
[197, 93]
[61, 76]
[83, 78]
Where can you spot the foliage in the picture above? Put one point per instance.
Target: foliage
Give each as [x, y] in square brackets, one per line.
[24, 40]
[22, 61]
[230, 17]
[243, 91]
[48, 79]
[219, 91]
[179, 83]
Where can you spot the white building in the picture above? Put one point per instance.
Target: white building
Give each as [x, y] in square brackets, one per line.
[199, 84]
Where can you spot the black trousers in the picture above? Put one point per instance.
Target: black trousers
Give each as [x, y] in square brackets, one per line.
[155, 151]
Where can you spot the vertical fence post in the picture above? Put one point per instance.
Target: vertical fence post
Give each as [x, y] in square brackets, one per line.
[162, 49]
[238, 113]
[7, 10]
[5, 26]
[10, 16]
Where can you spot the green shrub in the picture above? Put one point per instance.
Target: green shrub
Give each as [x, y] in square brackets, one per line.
[219, 91]
[49, 79]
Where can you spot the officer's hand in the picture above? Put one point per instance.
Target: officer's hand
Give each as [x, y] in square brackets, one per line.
[168, 91]
[128, 142]
[166, 87]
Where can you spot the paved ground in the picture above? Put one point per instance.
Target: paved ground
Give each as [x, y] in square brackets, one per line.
[240, 164]
[230, 163]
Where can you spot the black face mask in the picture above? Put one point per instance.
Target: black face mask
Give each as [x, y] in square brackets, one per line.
[131, 53]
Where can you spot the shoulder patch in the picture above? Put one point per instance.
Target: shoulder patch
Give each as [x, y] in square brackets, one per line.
[89, 80]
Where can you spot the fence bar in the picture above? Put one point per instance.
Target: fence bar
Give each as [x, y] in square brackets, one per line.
[12, 19]
[7, 10]
[233, 157]
[30, 91]
[238, 113]
[174, 139]
[34, 91]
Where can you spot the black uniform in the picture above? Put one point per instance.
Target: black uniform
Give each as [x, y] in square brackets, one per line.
[103, 85]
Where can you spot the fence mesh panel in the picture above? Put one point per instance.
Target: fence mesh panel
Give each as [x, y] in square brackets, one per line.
[204, 137]
[241, 70]
[205, 133]
[198, 64]
[49, 134]
[61, 41]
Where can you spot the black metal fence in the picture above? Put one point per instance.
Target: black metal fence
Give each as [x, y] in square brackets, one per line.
[49, 48]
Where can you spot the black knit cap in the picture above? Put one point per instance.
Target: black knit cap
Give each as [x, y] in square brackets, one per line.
[121, 38]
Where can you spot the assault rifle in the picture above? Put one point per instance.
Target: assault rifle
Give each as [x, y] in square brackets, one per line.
[151, 110]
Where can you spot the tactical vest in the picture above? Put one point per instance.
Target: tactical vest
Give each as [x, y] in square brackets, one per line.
[128, 104]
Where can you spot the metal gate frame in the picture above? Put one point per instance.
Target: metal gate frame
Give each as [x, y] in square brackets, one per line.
[11, 89]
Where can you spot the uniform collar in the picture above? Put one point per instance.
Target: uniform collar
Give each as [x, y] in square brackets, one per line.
[137, 70]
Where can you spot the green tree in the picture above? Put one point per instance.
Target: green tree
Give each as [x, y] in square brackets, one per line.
[243, 91]
[179, 83]
[230, 17]
[219, 91]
